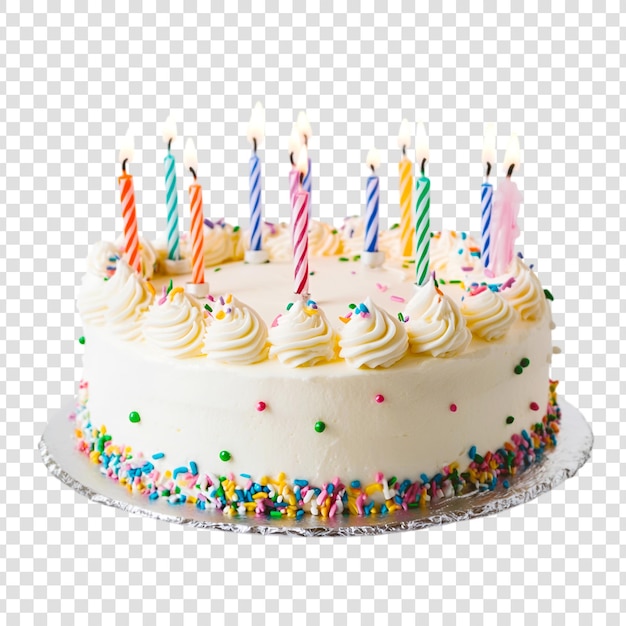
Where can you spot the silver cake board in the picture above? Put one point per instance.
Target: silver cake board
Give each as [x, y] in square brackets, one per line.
[574, 444]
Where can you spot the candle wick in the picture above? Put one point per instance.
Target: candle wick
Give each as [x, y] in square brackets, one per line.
[254, 144]
[124, 165]
[291, 158]
[423, 166]
[194, 173]
[306, 140]
[510, 172]
[301, 178]
[488, 170]
[404, 150]
[169, 144]
[373, 170]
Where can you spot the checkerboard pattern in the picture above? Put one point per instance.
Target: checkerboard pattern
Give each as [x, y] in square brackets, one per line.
[71, 83]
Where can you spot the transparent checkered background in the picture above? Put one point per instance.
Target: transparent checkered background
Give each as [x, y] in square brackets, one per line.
[70, 84]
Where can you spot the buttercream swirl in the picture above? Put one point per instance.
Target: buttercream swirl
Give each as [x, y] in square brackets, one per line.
[435, 325]
[220, 244]
[353, 235]
[102, 259]
[235, 333]
[450, 252]
[92, 298]
[488, 315]
[525, 293]
[278, 243]
[175, 325]
[128, 298]
[324, 240]
[147, 254]
[372, 337]
[302, 336]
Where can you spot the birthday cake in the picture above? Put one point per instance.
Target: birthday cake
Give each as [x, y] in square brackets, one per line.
[376, 396]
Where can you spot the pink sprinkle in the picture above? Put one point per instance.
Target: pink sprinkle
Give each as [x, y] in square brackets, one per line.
[508, 284]
[321, 497]
[382, 288]
[453, 407]
[476, 290]
[534, 406]
[379, 398]
[348, 314]
[467, 269]
[211, 298]
[275, 322]
[397, 299]
[378, 477]
[489, 273]
[332, 511]
[352, 272]
[261, 406]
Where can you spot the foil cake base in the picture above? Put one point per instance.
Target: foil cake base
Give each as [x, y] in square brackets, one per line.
[575, 440]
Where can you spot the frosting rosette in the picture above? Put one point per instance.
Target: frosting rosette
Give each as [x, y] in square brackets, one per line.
[219, 243]
[102, 259]
[147, 254]
[324, 240]
[487, 314]
[235, 333]
[302, 336]
[453, 253]
[175, 325]
[92, 298]
[128, 298]
[435, 325]
[278, 242]
[524, 293]
[372, 337]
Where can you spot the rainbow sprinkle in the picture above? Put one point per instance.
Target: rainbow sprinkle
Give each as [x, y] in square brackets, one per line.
[277, 497]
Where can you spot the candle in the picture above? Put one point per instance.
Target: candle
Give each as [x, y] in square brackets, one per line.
[129, 213]
[171, 193]
[405, 168]
[422, 209]
[506, 203]
[255, 136]
[190, 159]
[305, 130]
[372, 199]
[300, 226]
[488, 159]
[295, 141]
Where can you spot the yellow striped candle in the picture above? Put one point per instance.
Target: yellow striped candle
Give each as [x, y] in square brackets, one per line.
[405, 168]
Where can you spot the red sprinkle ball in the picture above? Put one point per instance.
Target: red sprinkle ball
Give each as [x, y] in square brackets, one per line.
[453, 407]
[534, 406]
[261, 406]
[379, 398]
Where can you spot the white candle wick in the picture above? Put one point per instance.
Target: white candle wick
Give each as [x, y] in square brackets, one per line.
[190, 157]
[127, 148]
[256, 126]
[512, 157]
[489, 146]
[304, 127]
[404, 136]
[421, 146]
[169, 130]
[373, 159]
[295, 141]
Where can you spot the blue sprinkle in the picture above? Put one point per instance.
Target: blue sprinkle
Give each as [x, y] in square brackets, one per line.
[317, 491]
[525, 435]
[154, 495]
[364, 309]
[383, 508]
[520, 255]
[280, 505]
[147, 468]
[201, 505]
[355, 484]
[463, 235]
[472, 452]
[240, 495]
[437, 478]
[424, 478]
[300, 482]
[299, 513]
[404, 486]
[193, 468]
[158, 455]
[505, 484]
[245, 476]
[398, 499]
[296, 493]
[344, 497]
[183, 499]
[368, 507]
[460, 250]
[179, 470]
[330, 489]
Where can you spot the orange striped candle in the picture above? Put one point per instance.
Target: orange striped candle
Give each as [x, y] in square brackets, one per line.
[405, 168]
[129, 213]
[190, 158]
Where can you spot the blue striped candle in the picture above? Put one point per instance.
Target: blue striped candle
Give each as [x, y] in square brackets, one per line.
[371, 214]
[255, 202]
[171, 200]
[486, 204]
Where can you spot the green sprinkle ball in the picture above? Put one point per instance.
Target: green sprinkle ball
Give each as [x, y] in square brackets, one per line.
[518, 369]
[525, 362]
[548, 294]
[225, 455]
[81, 341]
[320, 427]
[510, 419]
[134, 417]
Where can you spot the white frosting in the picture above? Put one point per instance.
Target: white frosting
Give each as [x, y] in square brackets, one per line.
[353, 235]
[525, 294]
[175, 325]
[435, 325]
[128, 298]
[220, 244]
[372, 338]
[324, 239]
[102, 259]
[302, 336]
[451, 255]
[278, 243]
[92, 299]
[235, 334]
[487, 314]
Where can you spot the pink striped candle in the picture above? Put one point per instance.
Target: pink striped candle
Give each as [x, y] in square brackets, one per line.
[300, 228]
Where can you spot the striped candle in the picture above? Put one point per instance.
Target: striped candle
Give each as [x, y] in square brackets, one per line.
[422, 230]
[372, 196]
[171, 200]
[129, 215]
[405, 169]
[255, 202]
[305, 130]
[486, 205]
[300, 231]
[197, 235]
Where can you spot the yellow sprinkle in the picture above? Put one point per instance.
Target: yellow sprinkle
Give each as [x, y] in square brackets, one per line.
[281, 477]
[291, 513]
[168, 473]
[103, 430]
[454, 466]
[292, 499]
[78, 433]
[373, 488]
[94, 456]
[352, 508]
[175, 291]
[260, 495]
[150, 287]
[192, 500]
[250, 506]
[345, 320]
[220, 315]
[264, 480]
[229, 298]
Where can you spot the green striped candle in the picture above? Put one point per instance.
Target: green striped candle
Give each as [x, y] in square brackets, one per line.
[422, 210]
